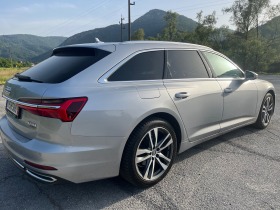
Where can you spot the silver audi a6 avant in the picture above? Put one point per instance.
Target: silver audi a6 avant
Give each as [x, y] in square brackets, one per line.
[93, 111]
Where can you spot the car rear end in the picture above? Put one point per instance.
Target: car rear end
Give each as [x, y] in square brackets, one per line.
[36, 130]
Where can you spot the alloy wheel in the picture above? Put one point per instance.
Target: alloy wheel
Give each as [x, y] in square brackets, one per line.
[267, 110]
[154, 154]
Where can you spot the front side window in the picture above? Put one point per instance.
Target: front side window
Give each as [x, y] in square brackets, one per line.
[222, 67]
[144, 66]
[183, 64]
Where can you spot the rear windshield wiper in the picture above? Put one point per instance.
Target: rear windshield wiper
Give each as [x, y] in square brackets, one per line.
[26, 78]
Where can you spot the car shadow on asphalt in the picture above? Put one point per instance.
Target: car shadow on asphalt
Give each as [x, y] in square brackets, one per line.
[225, 138]
[103, 193]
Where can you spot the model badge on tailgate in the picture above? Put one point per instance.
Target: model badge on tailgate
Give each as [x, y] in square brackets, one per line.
[32, 124]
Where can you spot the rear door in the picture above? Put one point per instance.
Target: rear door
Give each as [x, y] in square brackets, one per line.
[239, 95]
[197, 96]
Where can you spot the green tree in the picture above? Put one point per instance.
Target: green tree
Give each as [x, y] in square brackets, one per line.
[205, 28]
[139, 34]
[170, 31]
[5, 63]
[247, 45]
[206, 32]
[245, 14]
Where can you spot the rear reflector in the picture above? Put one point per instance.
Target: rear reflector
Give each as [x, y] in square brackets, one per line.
[35, 165]
[64, 109]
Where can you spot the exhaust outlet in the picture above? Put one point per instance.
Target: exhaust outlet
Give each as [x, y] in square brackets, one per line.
[38, 176]
[41, 177]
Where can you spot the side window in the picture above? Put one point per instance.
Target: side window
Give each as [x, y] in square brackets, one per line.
[144, 66]
[222, 67]
[185, 64]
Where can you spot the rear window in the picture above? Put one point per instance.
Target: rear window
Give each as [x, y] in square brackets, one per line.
[64, 64]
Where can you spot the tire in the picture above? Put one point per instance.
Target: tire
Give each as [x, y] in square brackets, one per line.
[146, 159]
[266, 112]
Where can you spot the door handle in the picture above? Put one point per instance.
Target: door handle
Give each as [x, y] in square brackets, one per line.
[228, 90]
[181, 95]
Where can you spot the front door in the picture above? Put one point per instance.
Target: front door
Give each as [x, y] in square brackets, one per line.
[197, 97]
[239, 94]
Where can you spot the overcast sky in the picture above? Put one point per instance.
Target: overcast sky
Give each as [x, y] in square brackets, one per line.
[68, 17]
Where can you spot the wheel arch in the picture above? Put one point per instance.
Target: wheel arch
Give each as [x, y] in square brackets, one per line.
[167, 117]
[173, 122]
[124, 170]
[272, 92]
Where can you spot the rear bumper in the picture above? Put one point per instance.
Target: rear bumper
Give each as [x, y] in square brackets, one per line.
[94, 158]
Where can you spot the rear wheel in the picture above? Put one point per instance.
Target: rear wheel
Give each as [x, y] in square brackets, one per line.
[266, 112]
[149, 153]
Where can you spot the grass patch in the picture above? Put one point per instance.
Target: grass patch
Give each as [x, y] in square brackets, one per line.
[269, 73]
[7, 73]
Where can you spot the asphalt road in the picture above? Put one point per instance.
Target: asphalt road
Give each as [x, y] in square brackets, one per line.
[239, 170]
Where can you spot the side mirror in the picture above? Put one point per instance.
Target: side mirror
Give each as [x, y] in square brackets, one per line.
[250, 75]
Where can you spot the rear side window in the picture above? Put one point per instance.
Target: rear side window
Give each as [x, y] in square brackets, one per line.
[185, 64]
[144, 66]
[64, 64]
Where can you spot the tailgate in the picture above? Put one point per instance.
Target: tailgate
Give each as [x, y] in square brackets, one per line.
[23, 122]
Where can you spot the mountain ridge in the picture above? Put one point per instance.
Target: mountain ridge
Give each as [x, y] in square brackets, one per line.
[25, 46]
[152, 22]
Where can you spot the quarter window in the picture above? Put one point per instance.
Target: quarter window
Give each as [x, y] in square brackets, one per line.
[222, 67]
[185, 64]
[144, 66]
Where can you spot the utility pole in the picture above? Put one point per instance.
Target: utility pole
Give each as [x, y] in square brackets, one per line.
[257, 25]
[11, 60]
[122, 27]
[129, 20]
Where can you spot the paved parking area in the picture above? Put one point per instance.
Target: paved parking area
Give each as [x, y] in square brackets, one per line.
[239, 170]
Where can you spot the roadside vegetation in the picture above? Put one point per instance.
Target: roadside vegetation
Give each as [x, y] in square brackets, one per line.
[252, 46]
[9, 67]
[7, 73]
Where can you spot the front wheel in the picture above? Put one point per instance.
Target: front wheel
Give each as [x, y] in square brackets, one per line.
[266, 112]
[149, 153]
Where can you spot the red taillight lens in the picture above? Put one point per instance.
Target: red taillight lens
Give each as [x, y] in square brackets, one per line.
[64, 109]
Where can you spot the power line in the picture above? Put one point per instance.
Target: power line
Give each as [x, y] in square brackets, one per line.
[189, 8]
[96, 6]
[73, 19]
[90, 22]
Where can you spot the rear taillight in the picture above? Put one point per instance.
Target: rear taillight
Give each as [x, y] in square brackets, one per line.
[64, 109]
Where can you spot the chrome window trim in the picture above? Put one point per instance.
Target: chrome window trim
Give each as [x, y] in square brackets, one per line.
[190, 79]
[104, 78]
